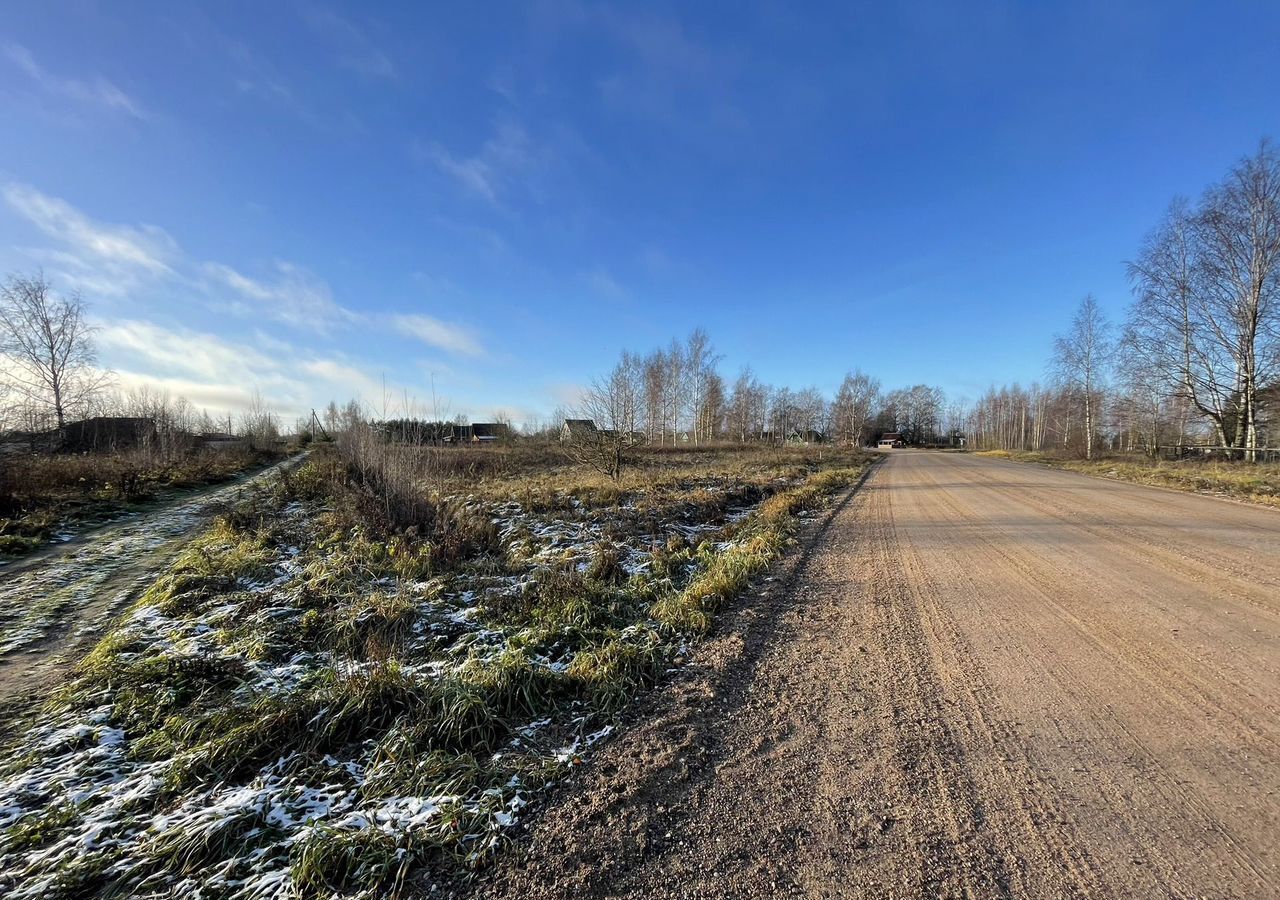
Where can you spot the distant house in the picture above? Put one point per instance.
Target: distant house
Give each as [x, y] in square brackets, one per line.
[489, 432]
[578, 431]
[17, 442]
[416, 431]
[889, 440]
[806, 436]
[105, 433]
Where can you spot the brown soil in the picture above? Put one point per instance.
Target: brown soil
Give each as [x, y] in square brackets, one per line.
[982, 679]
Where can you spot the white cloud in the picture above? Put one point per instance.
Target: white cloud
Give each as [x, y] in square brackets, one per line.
[147, 247]
[217, 399]
[294, 296]
[97, 92]
[436, 333]
[110, 258]
[354, 381]
[209, 369]
[221, 374]
[185, 353]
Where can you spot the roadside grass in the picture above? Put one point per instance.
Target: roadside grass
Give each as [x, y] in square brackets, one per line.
[41, 495]
[316, 701]
[1253, 482]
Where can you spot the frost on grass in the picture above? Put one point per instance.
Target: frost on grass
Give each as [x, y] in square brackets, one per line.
[299, 708]
[35, 602]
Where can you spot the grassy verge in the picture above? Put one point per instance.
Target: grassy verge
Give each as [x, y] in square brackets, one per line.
[1241, 481]
[43, 495]
[313, 702]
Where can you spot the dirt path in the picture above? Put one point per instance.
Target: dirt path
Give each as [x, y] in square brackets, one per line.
[984, 679]
[57, 604]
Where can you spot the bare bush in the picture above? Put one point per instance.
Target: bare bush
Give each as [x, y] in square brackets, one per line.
[393, 476]
[613, 403]
[259, 424]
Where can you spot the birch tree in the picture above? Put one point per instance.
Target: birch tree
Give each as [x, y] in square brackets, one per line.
[1239, 243]
[854, 403]
[1206, 312]
[47, 345]
[1082, 359]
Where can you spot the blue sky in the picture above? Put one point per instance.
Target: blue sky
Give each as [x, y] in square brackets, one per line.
[334, 200]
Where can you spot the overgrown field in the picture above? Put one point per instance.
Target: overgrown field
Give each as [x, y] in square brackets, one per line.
[319, 699]
[43, 496]
[1256, 483]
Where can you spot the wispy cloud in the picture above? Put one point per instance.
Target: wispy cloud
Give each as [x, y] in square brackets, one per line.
[186, 353]
[501, 162]
[293, 295]
[110, 258]
[472, 173]
[222, 374]
[255, 77]
[97, 91]
[356, 50]
[212, 369]
[603, 284]
[115, 259]
[438, 334]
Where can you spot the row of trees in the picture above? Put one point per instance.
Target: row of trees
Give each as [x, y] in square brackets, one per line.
[1197, 359]
[675, 394]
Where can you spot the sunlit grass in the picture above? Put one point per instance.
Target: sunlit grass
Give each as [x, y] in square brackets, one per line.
[1254, 482]
[435, 675]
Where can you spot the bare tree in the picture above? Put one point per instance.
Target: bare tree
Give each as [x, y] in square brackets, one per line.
[665, 391]
[47, 344]
[1082, 359]
[782, 412]
[713, 409]
[259, 424]
[1169, 330]
[614, 403]
[854, 403]
[699, 367]
[1206, 316]
[811, 413]
[1239, 230]
[748, 407]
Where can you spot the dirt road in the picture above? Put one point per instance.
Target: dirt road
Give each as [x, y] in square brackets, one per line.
[985, 679]
[57, 604]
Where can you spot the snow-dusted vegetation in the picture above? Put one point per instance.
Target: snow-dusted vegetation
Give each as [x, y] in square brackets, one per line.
[317, 699]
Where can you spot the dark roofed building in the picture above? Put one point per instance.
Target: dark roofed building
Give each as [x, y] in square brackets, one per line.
[108, 433]
[578, 430]
[489, 432]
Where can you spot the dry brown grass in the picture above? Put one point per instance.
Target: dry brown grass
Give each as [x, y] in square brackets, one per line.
[1252, 482]
[39, 493]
